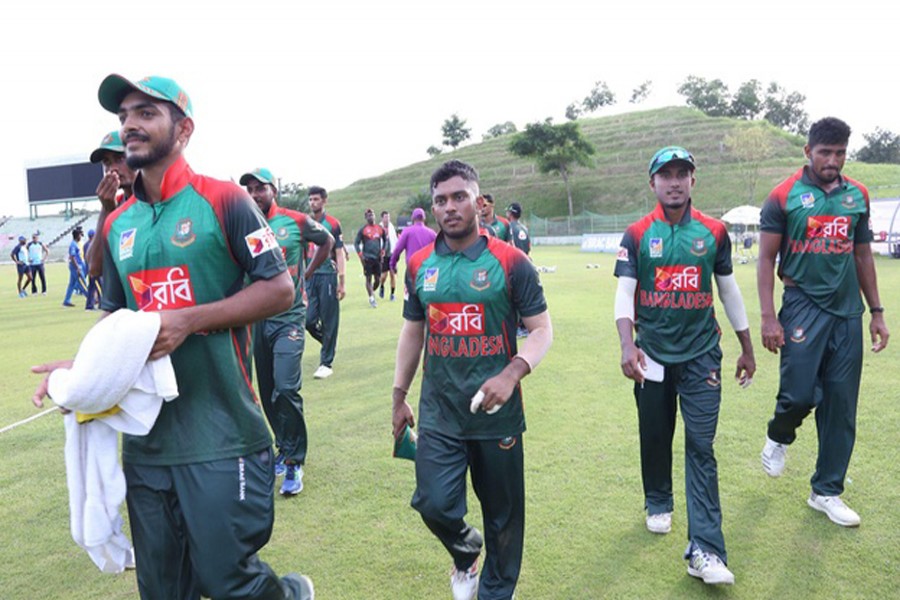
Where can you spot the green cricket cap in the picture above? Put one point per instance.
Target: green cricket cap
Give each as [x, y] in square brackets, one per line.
[114, 88]
[111, 142]
[666, 155]
[260, 174]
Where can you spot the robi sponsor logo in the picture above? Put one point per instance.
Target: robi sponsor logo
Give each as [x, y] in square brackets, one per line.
[677, 278]
[456, 318]
[828, 227]
[162, 289]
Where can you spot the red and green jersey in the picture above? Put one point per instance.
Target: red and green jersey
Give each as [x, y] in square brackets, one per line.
[499, 226]
[332, 226]
[518, 234]
[194, 247]
[371, 241]
[470, 302]
[292, 231]
[818, 233]
[674, 265]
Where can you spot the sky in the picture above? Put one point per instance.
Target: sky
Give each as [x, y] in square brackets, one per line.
[328, 93]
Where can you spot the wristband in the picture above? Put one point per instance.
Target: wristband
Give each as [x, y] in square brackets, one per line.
[876, 309]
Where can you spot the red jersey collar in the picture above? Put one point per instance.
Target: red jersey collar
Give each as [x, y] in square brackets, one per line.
[176, 178]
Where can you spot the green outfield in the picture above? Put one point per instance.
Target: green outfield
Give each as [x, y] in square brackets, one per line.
[352, 529]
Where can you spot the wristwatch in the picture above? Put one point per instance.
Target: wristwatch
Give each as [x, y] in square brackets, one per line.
[876, 309]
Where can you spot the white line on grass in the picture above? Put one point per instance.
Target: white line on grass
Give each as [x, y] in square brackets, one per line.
[32, 418]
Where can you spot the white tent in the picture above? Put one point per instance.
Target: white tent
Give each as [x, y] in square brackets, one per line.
[742, 215]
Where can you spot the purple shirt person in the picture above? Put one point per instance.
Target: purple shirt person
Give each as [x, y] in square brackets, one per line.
[412, 238]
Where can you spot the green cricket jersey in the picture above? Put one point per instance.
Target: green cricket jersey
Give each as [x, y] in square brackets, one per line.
[292, 230]
[674, 264]
[193, 247]
[332, 226]
[519, 236]
[819, 232]
[470, 302]
[500, 227]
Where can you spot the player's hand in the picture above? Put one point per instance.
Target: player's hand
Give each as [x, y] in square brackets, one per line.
[879, 332]
[497, 391]
[746, 367]
[341, 292]
[772, 334]
[41, 391]
[174, 328]
[107, 190]
[634, 363]
[402, 415]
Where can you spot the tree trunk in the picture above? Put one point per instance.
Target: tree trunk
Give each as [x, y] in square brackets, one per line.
[565, 175]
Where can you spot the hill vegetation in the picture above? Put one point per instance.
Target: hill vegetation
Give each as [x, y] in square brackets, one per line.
[617, 184]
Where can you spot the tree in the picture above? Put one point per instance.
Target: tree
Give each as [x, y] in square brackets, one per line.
[573, 111]
[294, 196]
[420, 199]
[433, 151]
[710, 97]
[750, 146]
[599, 97]
[641, 92]
[555, 149]
[882, 146]
[747, 102]
[785, 110]
[500, 129]
[455, 131]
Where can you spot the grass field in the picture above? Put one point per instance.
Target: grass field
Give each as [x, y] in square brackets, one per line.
[352, 529]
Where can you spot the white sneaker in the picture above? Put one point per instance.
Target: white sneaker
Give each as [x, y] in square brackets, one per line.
[709, 567]
[773, 455]
[835, 508]
[323, 372]
[659, 523]
[372, 302]
[464, 584]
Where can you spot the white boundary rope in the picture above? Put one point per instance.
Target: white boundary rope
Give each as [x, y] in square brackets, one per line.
[29, 419]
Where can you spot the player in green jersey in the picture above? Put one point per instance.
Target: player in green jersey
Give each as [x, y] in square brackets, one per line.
[666, 265]
[497, 225]
[465, 292]
[278, 341]
[817, 221]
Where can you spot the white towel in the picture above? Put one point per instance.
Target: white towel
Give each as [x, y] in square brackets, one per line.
[110, 370]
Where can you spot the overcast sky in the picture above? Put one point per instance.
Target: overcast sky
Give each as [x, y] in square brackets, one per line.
[341, 90]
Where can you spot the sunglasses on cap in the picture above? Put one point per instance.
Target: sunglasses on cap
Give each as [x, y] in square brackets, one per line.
[667, 155]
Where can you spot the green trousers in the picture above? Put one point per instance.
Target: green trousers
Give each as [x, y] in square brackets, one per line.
[697, 383]
[197, 529]
[497, 470]
[821, 367]
[277, 354]
[323, 315]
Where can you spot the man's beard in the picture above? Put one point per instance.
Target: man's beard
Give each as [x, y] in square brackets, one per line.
[157, 153]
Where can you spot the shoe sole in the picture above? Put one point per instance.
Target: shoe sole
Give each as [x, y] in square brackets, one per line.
[284, 492]
[710, 581]
[816, 507]
[659, 531]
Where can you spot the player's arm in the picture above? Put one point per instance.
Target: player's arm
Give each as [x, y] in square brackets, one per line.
[323, 241]
[106, 193]
[868, 283]
[730, 295]
[633, 361]
[409, 349]
[340, 262]
[771, 330]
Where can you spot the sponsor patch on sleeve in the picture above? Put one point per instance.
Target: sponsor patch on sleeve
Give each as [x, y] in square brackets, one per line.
[622, 254]
[261, 240]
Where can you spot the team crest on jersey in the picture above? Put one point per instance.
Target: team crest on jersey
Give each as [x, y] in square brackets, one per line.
[828, 227]
[798, 336]
[431, 279]
[261, 240]
[281, 233]
[622, 254]
[807, 200]
[126, 243]
[184, 233]
[507, 443]
[713, 380]
[295, 334]
[677, 278]
[480, 280]
[848, 201]
[698, 247]
[656, 247]
[456, 318]
[162, 289]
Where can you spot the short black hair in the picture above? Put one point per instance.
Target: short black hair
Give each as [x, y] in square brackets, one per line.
[489, 198]
[317, 191]
[454, 168]
[384, 212]
[829, 130]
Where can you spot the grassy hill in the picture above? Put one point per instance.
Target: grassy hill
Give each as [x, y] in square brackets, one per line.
[617, 184]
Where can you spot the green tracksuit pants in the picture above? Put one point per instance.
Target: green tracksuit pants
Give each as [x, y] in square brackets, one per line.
[697, 383]
[323, 315]
[821, 366]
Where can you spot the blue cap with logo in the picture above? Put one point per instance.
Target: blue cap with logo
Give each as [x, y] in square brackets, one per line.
[668, 154]
[114, 88]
